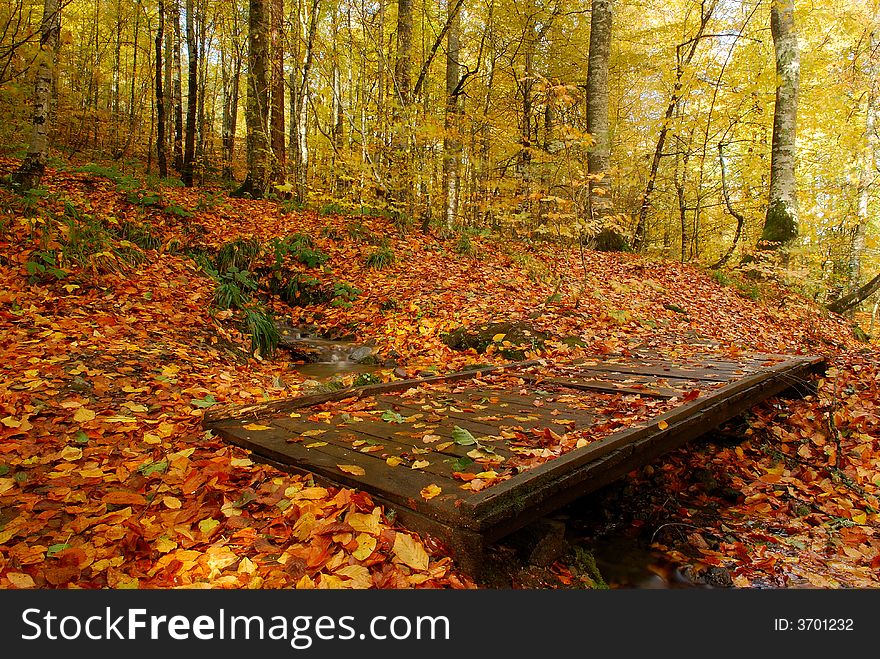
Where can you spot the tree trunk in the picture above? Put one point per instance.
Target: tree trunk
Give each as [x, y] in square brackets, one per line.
[740, 219]
[640, 233]
[232, 73]
[599, 156]
[192, 95]
[781, 222]
[451, 140]
[404, 52]
[852, 299]
[867, 168]
[30, 172]
[257, 113]
[177, 85]
[299, 92]
[161, 143]
[279, 157]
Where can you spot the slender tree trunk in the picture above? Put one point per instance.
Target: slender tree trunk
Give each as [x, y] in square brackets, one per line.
[740, 219]
[232, 74]
[599, 156]
[401, 178]
[279, 157]
[257, 114]
[639, 235]
[161, 142]
[299, 92]
[781, 222]
[30, 172]
[192, 47]
[452, 140]
[867, 168]
[176, 85]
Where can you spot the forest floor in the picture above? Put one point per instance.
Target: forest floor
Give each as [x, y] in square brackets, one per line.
[108, 480]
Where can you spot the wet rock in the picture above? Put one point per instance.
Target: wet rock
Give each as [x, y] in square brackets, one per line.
[520, 337]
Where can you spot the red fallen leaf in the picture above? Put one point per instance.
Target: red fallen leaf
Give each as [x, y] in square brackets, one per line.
[464, 475]
[73, 557]
[123, 498]
[58, 576]
[691, 395]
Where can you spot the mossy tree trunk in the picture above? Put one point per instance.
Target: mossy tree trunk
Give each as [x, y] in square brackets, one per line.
[30, 172]
[781, 222]
[257, 112]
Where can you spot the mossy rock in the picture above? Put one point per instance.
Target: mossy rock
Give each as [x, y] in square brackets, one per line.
[608, 240]
[521, 338]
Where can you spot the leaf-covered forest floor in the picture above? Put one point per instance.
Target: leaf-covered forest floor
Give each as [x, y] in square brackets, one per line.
[108, 480]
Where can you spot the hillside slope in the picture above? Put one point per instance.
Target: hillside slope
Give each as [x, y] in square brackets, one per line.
[106, 478]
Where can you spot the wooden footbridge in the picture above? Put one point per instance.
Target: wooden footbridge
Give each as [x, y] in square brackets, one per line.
[473, 456]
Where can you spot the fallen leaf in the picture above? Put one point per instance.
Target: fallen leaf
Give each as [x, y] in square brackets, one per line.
[83, 414]
[420, 464]
[256, 426]
[662, 425]
[354, 470]
[393, 460]
[122, 498]
[410, 551]
[430, 491]
[366, 545]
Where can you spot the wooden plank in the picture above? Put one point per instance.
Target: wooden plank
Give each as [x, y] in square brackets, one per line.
[375, 430]
[542, 415]
[527, 490]
[656, 371]
[612, 387]
[284, 405]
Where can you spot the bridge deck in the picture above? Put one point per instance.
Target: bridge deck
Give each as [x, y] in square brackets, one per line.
[473, 456]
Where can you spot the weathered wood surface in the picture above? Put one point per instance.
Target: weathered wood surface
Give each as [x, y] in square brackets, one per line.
[401, 435]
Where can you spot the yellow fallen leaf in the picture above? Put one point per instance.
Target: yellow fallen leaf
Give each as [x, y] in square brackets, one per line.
[430, 439]
[150, 438]
[136, 407]
[354, 470]
[393, 460]
[20, 580]
[71, 453]
[6, 484]
[255, 426]
[10, 422]
[365, 548]
[358, 576]
[410, 551]
[581, 443]
[366, 522]
[444, 446]
[420, 464]
[164, 545]
[859, 518]
[172, 502]
[488, 475]
[208, 525]
[316, 444]
[83, 414]
[662, 425]
[121, 419]
[430, 491]
[498, 338]
[313, 433]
